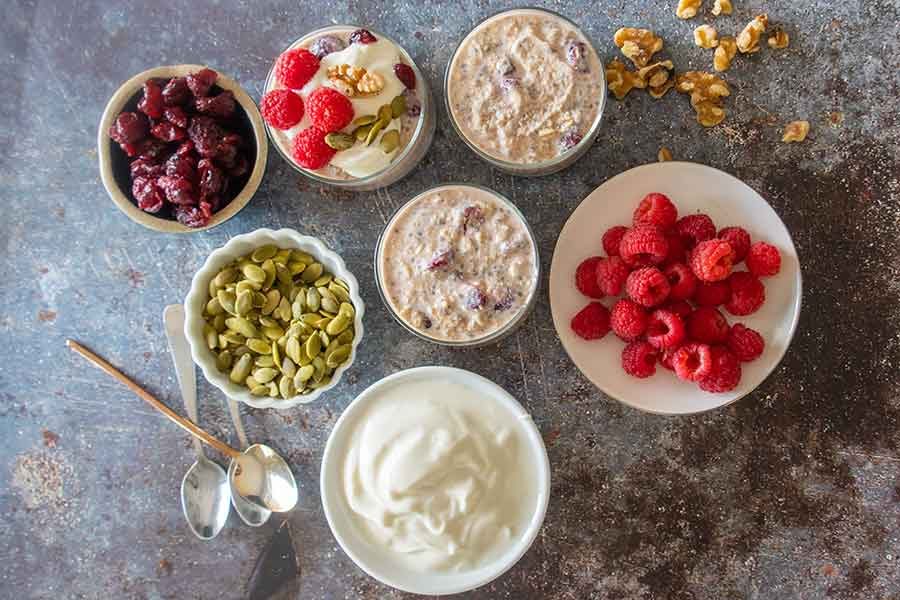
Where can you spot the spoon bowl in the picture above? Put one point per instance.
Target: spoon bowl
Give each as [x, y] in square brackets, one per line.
[204, 498]
[261, 477]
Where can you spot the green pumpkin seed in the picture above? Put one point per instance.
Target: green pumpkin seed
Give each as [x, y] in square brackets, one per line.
[254, 273]
[296, 267]
[224, 360]
[346, 337]
[304, 373]
[242, 326]
[241, 369]
[292, 349]
[226, 300]
[251, 382]
[301, 256]
[231, 337]
[273, 333]
[337, 325]
[273, 297]
[218, 322]
[283, 275]
[342, 283]
[361, 133]
[286, 387]
[260, 390]
[259, 346]
[267, 321]
[398, 106]
[282, 256]
[265, 374]
[264, 253]
[320, 384]
[299, 384]
[245, 285]
[325, 339]
[330, 305]
[312, 346]
[213, 307]
[225, 276]
[377, 126]
[385, 115]
[340, 293]
[288, 367]
[268, 268]
[323, 280]
[310, 318]
[348, 310]
[211, 335]
[337, 356]
[259, 300]
[390, 141]
[240, 351]
[212, 288]
[276, 355]
[365, 119]
[297, 307]
[339, 141]
[265, 360]
[244, 303]
[304, 357]
[284, 310]
[312, 272]
[319, 366]
[312, 299]
[322, 323]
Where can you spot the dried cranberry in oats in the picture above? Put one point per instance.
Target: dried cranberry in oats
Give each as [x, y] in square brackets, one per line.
[151, 104]
[145, 168]
[508, 82]
[129, 127]
[221, 106]
[201, 82]
[145, 191]
[167, 132]
[440, 260]
[473, 217]
[176, 116]
[576, 56]
[362, 36]
[178, 190]
[325, 45]
[181, 165]
[570, 139]
[506, 302]
[413, 104]
[206, 135]
[151, 149]
[475, 299]
[176, 92]
[191, 216]
[212, 180]
[406, 75]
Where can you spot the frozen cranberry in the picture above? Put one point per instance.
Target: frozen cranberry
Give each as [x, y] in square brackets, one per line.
[240, 168]
[325, 45]
[176, 116]
[475, 299]
[576, 56]
[178, 190]
[201, 82]
[148, 196]
[218, 106]
[129, 127]
[151, 104]
[406, 75]
[181, 165]
[176, 92]
[145, 168]
[569, 140]
[167, 132]
[192, 216]
[413, 104]
[212, 179]
[206, 135]
[473, 217]
[362, 36]
[440, 260]
[151, 149]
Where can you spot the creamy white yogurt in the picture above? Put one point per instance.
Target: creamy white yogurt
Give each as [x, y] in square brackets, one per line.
[439, 475]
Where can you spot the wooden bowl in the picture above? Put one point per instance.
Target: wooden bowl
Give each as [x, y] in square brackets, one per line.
[114, 169]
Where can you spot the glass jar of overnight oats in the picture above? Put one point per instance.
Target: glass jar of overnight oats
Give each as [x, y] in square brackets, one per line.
[525, 90]
[371, 162]
[458, 265]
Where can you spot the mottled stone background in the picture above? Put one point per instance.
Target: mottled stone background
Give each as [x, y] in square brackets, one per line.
[791, 493]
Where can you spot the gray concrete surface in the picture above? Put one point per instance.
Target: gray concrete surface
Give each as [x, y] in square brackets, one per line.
[791, 493]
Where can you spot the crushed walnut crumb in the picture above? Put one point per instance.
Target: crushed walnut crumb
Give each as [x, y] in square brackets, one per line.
[664, 155]
[795, 131]
[748, 39]
[724, 54]
[687, 9]
[706, 36]
[779, 39]
[722, 7]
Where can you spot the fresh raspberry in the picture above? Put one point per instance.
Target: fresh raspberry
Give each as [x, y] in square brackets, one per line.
[711, 260]
[682, 308]
[725, 373]
[611, 275]
[328, 109]
[739, 240]
[694, 229]
[681, 281]
[282, 109]
[677, 251]
[586, 277]
[665, 329]
[310, 149]
[628, 319]
[666, 356]
[643, 246]
[296, 67]
[611, 239]
[763, 260]
[647, 286]
[745, 343]
[656, 209]
[707, 325]
[712, 293]
[591, 322]
[747, 294]
[693, 362]
[639, 359]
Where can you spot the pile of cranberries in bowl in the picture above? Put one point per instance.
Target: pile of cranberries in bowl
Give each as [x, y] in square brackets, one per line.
[669, 277]
[185, 142]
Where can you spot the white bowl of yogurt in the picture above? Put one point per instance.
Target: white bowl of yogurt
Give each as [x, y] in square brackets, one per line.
[435, 480]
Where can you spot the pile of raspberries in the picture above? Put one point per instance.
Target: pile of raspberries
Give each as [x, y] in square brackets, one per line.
[675, 273]
[184, 154]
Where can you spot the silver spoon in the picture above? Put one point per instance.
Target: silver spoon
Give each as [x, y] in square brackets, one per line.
[204, 489]
[250, 513]
[259, 474]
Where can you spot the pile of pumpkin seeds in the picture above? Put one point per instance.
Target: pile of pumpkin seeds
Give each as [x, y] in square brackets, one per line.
[278, 322]
[367, 128]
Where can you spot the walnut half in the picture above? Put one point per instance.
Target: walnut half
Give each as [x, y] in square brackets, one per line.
[620, 80]
[639, 45]
[664, 155]
[657, 78]
[687, 9]
[795, 131]
[706, 92]
[748, 39]
[724, 54]
[721, 7]
[706, 36]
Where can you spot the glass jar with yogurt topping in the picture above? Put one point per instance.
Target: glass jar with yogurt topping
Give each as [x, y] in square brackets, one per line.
[525, 90]
[416, 126]
[458, 265]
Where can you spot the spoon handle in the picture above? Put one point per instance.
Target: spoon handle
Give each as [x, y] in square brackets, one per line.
[173, 319]
[238, 425]
[185, 424]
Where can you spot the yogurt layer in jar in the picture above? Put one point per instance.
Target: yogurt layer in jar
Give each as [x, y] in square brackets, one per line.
[458, 265]
[525, 90]
[366, 165]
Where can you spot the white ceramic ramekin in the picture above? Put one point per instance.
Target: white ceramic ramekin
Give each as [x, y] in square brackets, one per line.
[198, 296]
[379, 563]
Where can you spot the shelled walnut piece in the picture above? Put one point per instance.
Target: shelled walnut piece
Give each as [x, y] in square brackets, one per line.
[639, 45]
[748, 39]
[779, 39]
[355, 81]
[706, 92]
[620, 80]
[687, 9]
[706, 36]
[664, 155]
[724, 54]
[722, 7]
[657, 78]
[795, 131]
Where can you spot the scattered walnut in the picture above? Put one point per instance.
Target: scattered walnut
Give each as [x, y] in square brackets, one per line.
[639, 45]
[779, 39]
[706, 92]
[706, 36]
[724, 54]
[657, 78]
[620, 80]
[687, 9]
[721, 7]
[355, 81]
[795, 131]
[709, 114]
[664, 155]
[748, 39]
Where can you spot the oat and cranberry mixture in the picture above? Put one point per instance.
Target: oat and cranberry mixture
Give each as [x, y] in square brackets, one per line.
[457, 263]
[525, 86]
